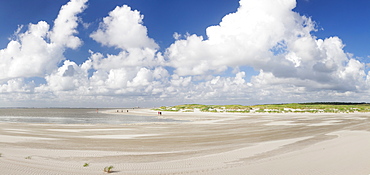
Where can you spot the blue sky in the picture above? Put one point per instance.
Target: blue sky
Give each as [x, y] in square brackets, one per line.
[346, 19]
[162, 17]
[201, 65]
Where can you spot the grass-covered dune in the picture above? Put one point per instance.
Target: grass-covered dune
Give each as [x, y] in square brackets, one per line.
[317, 107]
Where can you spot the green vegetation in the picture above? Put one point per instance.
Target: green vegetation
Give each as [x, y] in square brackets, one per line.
[28, 157]
[108, 169]
[319, 107]
[86, 165]
[1, 154]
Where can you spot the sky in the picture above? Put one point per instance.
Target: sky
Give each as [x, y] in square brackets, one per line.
[126, 53]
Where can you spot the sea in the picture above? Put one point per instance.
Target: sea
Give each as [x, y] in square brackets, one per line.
[73, 116]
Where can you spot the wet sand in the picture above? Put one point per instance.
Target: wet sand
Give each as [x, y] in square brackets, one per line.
[206, 143]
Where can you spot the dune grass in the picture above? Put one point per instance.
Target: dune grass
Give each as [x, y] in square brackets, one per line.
[108, 169]
[317, 107]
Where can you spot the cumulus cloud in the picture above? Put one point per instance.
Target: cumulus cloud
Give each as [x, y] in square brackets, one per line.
[242, 38]
[30, 55]
[67, 77]
[37, 51]
[137, 68]
[134, 72]
[267, 35]
[66, 23]
[123, 29]
[14, 85]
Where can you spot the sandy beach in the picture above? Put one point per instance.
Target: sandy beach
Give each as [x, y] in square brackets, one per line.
[204, 143]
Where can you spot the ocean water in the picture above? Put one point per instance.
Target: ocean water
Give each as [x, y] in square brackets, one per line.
[72, 116]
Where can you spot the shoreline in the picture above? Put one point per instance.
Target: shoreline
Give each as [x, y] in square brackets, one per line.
[224, 143]
[206, 116]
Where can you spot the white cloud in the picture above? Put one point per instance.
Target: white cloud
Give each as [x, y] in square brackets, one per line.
[14, 85]
[123, 29]
[137, 68]
[132, 73]
[66, 23]
[266, 35]
[68, 77]
[176, 36]
[242, 38]
[32, 55]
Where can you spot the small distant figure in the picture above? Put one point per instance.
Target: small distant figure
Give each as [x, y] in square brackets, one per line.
[121, 110]
[127, 110]
[117, 110]
[160, 113]
[97, 110]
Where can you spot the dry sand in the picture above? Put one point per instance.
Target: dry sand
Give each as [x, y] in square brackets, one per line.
[207, 143]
